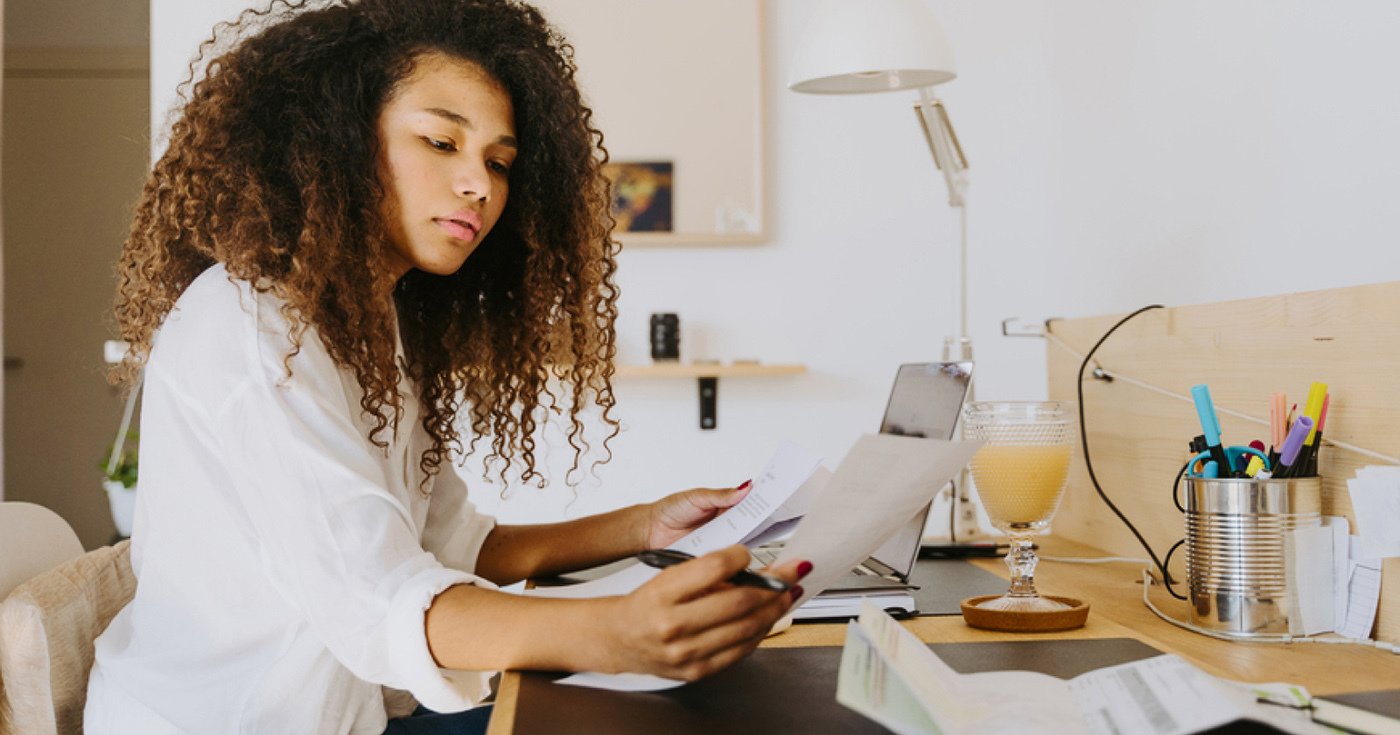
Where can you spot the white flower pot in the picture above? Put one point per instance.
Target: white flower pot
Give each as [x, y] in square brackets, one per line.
[123, 502]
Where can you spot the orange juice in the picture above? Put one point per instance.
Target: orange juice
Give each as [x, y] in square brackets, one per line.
[1021, 483]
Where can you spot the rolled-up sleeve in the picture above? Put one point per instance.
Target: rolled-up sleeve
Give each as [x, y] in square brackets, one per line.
[334, 541]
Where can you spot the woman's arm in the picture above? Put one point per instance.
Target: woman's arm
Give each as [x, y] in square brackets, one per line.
[513, 553]
[686, 623]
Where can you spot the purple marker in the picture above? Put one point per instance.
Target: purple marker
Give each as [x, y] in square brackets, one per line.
[1302, 426]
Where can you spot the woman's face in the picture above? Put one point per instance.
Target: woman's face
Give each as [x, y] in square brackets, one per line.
[447, 138]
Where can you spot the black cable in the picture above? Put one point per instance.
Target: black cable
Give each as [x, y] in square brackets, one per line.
[1084, 441]
[1176, 487]
[1166, 581]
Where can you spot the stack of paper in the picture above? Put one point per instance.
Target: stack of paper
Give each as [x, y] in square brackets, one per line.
[890, 676]
[878, 487]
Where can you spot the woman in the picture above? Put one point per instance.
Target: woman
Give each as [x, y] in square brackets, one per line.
[374, 215]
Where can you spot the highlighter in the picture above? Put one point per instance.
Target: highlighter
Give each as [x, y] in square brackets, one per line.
[1317, 393]
[1210, 427]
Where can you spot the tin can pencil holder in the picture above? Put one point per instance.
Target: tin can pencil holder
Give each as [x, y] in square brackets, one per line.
[1236, 566]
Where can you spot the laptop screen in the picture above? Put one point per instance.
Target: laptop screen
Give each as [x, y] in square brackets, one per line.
[925, 401]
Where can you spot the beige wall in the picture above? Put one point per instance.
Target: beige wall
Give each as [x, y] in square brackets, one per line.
[2, 243]
[75, 156]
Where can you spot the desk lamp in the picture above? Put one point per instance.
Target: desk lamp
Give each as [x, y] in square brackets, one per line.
[866, 46]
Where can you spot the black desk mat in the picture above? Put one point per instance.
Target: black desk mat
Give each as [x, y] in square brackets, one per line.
[945, 583]
[781, 690]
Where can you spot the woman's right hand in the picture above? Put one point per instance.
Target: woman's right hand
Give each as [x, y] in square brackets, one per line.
[689, 622]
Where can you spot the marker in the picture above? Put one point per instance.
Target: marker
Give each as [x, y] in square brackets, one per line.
[1210, 427]
[1317, 436]
[1256, 465]
[1211, 470]
[1278, 420]
[1292, 446]
[662, 558]
[1278, 425]
[1317, 393]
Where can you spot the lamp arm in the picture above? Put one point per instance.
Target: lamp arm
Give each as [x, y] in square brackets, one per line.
[943, 144]
[949, 158]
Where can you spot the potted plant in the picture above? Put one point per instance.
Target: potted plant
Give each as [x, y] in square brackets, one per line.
[119, 480]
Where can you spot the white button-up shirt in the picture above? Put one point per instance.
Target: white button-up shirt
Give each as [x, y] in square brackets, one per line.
[283, 562]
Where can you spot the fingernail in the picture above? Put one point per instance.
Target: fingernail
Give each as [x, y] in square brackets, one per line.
[804, 569]
[796, 592]
[745, 485]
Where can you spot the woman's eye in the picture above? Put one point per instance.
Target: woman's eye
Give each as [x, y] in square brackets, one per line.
[441, 145]
[500, 167]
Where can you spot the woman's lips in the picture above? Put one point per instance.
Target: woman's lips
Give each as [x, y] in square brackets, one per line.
[458, 229]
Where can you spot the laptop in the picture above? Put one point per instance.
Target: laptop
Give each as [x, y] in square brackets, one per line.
[925, 401]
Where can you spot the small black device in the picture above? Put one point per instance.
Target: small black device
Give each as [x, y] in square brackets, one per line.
[665, 336]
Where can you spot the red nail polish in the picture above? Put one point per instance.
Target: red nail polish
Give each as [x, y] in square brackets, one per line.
[804, 569]
[796, 592]
[746, 484]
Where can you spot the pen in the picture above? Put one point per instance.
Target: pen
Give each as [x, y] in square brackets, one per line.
[662, 558]
[1292, 446]
[1210, 426]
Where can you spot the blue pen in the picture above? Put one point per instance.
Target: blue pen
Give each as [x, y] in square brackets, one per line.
[1210, 426]
[1211, 470]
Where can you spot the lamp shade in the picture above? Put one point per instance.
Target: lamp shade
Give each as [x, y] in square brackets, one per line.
[859, 46]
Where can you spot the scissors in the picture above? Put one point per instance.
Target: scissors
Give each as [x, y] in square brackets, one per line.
[1234, 455]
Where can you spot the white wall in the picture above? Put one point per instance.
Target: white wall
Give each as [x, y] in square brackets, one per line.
[1122, 153]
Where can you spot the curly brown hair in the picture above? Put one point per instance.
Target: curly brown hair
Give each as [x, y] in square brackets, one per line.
[271, 170]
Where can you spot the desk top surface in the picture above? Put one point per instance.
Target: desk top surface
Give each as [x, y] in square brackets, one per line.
[1114, 593]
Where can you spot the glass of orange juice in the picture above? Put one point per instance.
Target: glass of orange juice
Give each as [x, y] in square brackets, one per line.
[1020, 474]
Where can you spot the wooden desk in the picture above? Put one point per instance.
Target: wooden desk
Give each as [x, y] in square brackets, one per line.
[1114, 592]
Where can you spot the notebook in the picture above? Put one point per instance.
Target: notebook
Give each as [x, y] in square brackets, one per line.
[925, 401]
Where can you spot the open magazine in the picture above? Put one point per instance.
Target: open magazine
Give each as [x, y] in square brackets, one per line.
[890, 676]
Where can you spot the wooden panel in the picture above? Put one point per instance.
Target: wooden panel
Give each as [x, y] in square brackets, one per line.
[1244, 350]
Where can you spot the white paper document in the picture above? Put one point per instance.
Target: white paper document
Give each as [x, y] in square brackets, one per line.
[784, 474]
[1375, 502]
[1341, 565]
[1309, 571]
[890, 676]
[1363, 595]
[773, 488]
[883, 481]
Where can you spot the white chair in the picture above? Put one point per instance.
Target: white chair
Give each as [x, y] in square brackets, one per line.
[33, 540]
[54, 601]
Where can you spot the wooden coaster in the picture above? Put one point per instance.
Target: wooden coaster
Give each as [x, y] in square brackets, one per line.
[1013, 621]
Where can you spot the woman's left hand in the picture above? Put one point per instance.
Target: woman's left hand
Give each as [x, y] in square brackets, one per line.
[674, 516]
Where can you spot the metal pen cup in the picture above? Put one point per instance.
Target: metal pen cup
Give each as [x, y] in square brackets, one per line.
[1236, 566]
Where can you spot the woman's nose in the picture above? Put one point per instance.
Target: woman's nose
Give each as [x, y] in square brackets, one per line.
[474, 181]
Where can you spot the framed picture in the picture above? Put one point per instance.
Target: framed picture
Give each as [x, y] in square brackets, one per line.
[642, 193]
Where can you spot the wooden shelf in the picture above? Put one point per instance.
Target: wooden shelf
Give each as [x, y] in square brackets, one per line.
[703, 370]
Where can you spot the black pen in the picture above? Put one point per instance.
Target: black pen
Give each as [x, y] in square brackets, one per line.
[662, 558]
